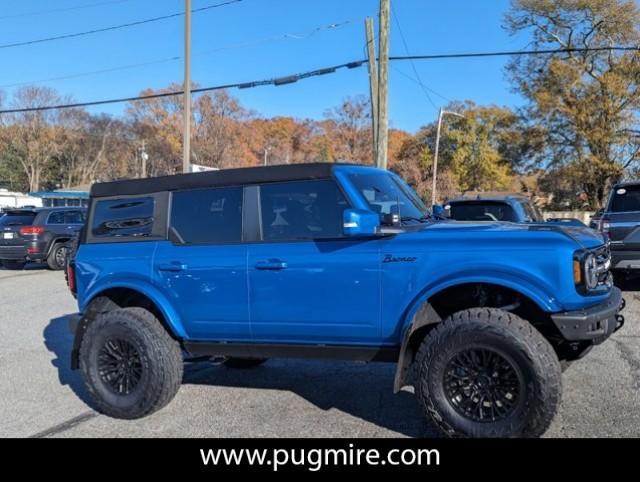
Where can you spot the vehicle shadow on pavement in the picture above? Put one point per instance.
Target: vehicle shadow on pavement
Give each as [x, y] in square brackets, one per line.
[361, 390]
[59, 341]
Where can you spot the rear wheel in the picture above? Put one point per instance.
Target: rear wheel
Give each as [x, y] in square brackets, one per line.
[232, 362]
[57, 257]
[13, 264]
[488, 373]
[129, 363]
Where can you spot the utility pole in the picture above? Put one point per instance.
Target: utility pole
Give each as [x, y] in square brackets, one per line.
[186, 134]
[437, 150]
[373, 83]
[383, 86]
[144, 157]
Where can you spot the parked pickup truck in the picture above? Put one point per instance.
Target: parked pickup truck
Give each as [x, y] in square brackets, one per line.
[333, 261]
[619, 222]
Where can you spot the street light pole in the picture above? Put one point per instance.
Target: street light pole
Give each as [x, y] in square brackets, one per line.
[437, 151]
[186, 132]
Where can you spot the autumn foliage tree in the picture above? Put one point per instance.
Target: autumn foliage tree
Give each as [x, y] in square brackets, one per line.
[586, 101]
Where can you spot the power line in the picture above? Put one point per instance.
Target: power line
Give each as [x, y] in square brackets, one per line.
[59, 10]
[413, 79]
[285, 36]
[305, 75]
[413, 65]
[278, 81]
[514, 53]
[115, 27]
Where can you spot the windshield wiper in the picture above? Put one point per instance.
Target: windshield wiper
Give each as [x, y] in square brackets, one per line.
[423, 219]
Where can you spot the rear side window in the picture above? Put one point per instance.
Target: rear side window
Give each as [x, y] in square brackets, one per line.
[123, 217]
[22, 218]
[207, 216]
[625, 199]
[482, 211]
[302, 210]
[66, 217]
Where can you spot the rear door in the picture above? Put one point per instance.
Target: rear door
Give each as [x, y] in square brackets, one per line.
[202, 268]
[623, 216]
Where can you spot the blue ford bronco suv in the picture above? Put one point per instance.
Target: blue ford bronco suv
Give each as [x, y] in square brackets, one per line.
[333, 261]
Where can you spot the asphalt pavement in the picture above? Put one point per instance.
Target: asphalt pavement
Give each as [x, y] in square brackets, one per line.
[41, 397]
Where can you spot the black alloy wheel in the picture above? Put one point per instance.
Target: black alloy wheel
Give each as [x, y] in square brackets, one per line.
[483, 385]
[119, 366]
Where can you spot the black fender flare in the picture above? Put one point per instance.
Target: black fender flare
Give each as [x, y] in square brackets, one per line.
[413, 334]
[99, 305]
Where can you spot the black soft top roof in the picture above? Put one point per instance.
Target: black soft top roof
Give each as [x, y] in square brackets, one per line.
[225, 177]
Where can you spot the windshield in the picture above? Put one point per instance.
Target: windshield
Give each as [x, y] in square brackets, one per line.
[482, 211]
[625, 199]
[17, 218]
[386, 195]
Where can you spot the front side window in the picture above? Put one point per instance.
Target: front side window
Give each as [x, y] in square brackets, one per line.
[123, 217]
[204, 216]
[302, 210]
[385, 195]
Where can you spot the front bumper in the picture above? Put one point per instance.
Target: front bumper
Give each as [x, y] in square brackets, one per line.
[596, 323]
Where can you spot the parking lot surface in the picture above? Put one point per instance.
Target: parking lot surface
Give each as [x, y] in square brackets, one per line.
[41, 397]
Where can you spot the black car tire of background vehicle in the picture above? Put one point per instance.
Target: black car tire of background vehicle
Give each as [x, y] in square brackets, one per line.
[516, 354]
[129, 363]
[57, 257]
[13, 265]
[242, 363]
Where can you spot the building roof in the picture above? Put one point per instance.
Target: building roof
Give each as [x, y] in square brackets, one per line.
[225, 177]
[60, 194]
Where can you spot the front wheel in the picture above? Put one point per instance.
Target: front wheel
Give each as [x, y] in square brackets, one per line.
[488, 373]
[129, 363]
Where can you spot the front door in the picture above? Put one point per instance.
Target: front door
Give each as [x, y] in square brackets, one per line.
[307, 283]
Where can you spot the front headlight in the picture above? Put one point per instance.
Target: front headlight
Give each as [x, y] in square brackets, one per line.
[591, 273]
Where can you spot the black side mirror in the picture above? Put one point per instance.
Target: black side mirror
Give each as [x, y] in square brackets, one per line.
[390, 219]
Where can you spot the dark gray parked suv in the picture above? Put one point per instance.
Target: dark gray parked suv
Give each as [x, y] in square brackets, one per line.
[619, 222]
[39, 234]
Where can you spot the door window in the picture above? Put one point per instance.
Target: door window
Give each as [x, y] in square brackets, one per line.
[302, 210]
[207, 216]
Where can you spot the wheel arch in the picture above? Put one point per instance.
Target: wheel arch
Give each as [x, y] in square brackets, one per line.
[126, 295]
[426, 311]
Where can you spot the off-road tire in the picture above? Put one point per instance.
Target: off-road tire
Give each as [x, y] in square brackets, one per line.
[160, 359]
[243, 363]
[511, 337]
[57, 257]
[12, 264]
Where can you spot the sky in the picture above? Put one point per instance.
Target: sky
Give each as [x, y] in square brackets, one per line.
[259, 39]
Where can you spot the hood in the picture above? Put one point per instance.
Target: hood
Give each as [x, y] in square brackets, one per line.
[584, 236]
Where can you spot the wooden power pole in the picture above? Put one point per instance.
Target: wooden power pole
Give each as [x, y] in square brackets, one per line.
[383, 86]
[186, 133]
[373, 83]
